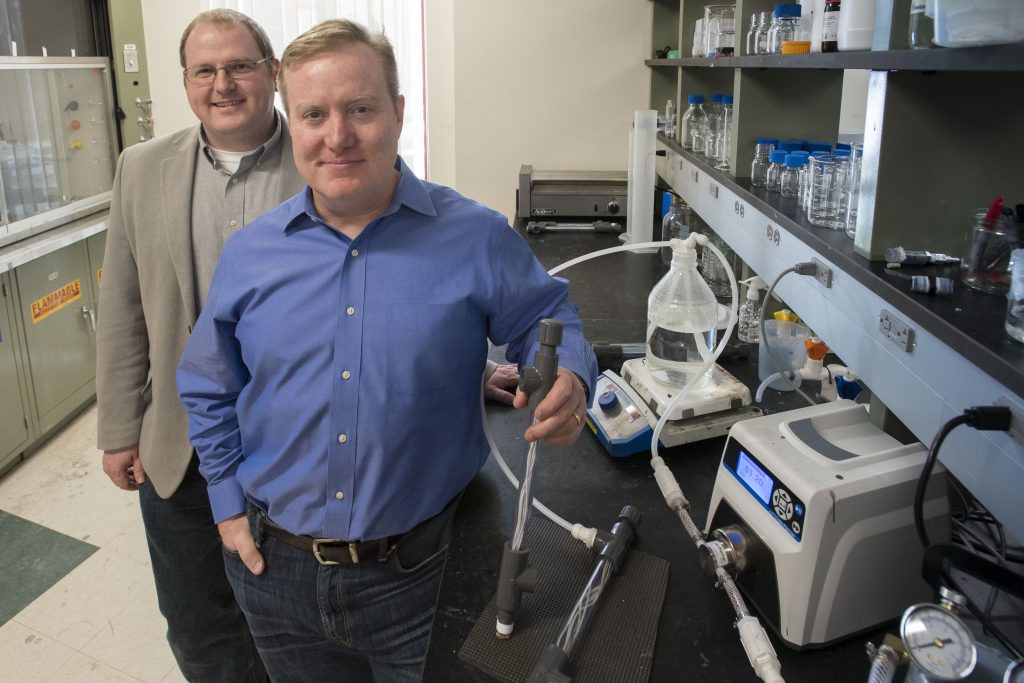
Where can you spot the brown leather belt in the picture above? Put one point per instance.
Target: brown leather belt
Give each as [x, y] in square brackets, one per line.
[330, 551]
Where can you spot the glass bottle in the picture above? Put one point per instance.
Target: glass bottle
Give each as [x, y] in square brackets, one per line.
[713, 112]
[784, 28]
[789, 179]
[725, 134]
[830, 29]
[751, 44]
[763, 25]
[695, 125]
[712, 268]
[749, 318]
[682, 315]
[922, 25]
[775, 165]
[759, 167]
[675, 225]
[670, 120]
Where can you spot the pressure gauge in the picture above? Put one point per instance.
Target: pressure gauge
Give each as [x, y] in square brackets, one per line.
[938, 642]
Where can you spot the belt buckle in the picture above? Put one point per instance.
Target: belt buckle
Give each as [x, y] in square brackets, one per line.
[316, 551]
[353, 551]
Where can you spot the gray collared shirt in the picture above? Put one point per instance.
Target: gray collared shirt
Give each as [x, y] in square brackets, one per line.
[222, 202]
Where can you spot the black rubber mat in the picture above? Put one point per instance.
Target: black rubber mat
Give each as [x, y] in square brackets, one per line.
[618, 647]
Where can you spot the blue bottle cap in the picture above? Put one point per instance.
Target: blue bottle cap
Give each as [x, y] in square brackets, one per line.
[821, 147]
[841, 153]
[695, 99]
[789, 145]
[820, 153]
[777, 156]
[802, 152]
[788, 10]
[716, 98]
[795, 160]
[842, 145]
[726, 99]
[766, 141]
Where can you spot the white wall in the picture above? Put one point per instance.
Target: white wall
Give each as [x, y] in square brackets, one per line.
[552, 84]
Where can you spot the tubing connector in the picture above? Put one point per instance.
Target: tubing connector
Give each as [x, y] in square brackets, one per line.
[517, 576]
[537, 380]
[585, 535]
[759, 650]
[669, 486]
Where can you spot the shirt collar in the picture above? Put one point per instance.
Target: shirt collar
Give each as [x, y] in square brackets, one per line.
[258, 154]
[410, 192]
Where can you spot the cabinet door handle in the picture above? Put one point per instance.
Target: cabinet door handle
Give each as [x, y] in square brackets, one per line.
[89, 315]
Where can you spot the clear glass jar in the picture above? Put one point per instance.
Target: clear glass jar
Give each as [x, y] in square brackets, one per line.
[694, 125]
[725, 134]
[759, 166]
[713, 112]
[776, 160]
[789, 179]
[853, 190]
[675, 225]
[751, 44]
[785, 27]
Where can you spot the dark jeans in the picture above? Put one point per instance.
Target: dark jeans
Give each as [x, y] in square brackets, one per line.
[205, 628]
[363, 622]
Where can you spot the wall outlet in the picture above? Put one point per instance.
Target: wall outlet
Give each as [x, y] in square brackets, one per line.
[897, 331]
[1016, 430]
[823, 273]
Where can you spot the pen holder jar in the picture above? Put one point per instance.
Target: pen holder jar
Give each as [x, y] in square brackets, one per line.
[985, 265]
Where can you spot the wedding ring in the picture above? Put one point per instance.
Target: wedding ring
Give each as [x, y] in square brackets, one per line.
[578, 420]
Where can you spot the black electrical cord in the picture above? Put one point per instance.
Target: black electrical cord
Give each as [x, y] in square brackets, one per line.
[979, 417]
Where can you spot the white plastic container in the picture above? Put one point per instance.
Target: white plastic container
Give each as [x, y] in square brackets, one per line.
[856, 25]
[965, 23]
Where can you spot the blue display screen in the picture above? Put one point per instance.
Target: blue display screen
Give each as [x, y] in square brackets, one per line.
[754, 477]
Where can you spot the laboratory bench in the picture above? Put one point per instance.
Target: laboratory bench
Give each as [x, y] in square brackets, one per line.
[696, 639]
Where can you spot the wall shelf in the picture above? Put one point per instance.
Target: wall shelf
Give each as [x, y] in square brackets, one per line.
[968, 321]
[993, 58]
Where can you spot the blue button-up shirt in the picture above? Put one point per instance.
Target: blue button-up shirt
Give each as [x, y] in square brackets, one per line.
[335, 382]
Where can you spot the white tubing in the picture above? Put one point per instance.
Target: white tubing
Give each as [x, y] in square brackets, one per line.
[794, 380]
[496, 452]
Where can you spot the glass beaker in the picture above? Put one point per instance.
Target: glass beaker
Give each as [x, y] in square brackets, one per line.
[719, 30]
[985, 265]
[853, 189]
[827, 180]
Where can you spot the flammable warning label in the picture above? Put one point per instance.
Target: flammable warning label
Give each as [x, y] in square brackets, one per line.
[54, 301]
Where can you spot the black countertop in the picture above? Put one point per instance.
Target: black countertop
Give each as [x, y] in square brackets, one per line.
[696, 638]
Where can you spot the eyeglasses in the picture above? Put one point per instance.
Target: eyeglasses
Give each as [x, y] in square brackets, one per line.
[236, 71]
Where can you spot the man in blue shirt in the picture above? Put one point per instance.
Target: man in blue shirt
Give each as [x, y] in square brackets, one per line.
[333, 379]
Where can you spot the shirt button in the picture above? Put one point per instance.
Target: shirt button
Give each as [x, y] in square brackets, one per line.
[340, 495]
[232, 222]
[346, 374]
[234, 181]
[342, 438]
[350, 310]
[355, 252]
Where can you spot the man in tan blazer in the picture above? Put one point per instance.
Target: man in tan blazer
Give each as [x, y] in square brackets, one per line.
[175, 201]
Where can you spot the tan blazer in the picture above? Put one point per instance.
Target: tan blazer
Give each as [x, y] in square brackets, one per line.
[147, 301]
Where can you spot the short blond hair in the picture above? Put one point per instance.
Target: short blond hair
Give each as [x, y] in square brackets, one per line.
[225, 17]
[335, 34]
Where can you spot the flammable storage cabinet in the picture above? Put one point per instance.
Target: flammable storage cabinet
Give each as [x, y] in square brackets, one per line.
[58, 148]
[15, 429]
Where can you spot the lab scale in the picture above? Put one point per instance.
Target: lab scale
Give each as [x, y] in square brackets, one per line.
[626, 409]
[815, 507]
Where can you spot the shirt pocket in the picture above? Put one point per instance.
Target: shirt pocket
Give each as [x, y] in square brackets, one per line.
[427, 347]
